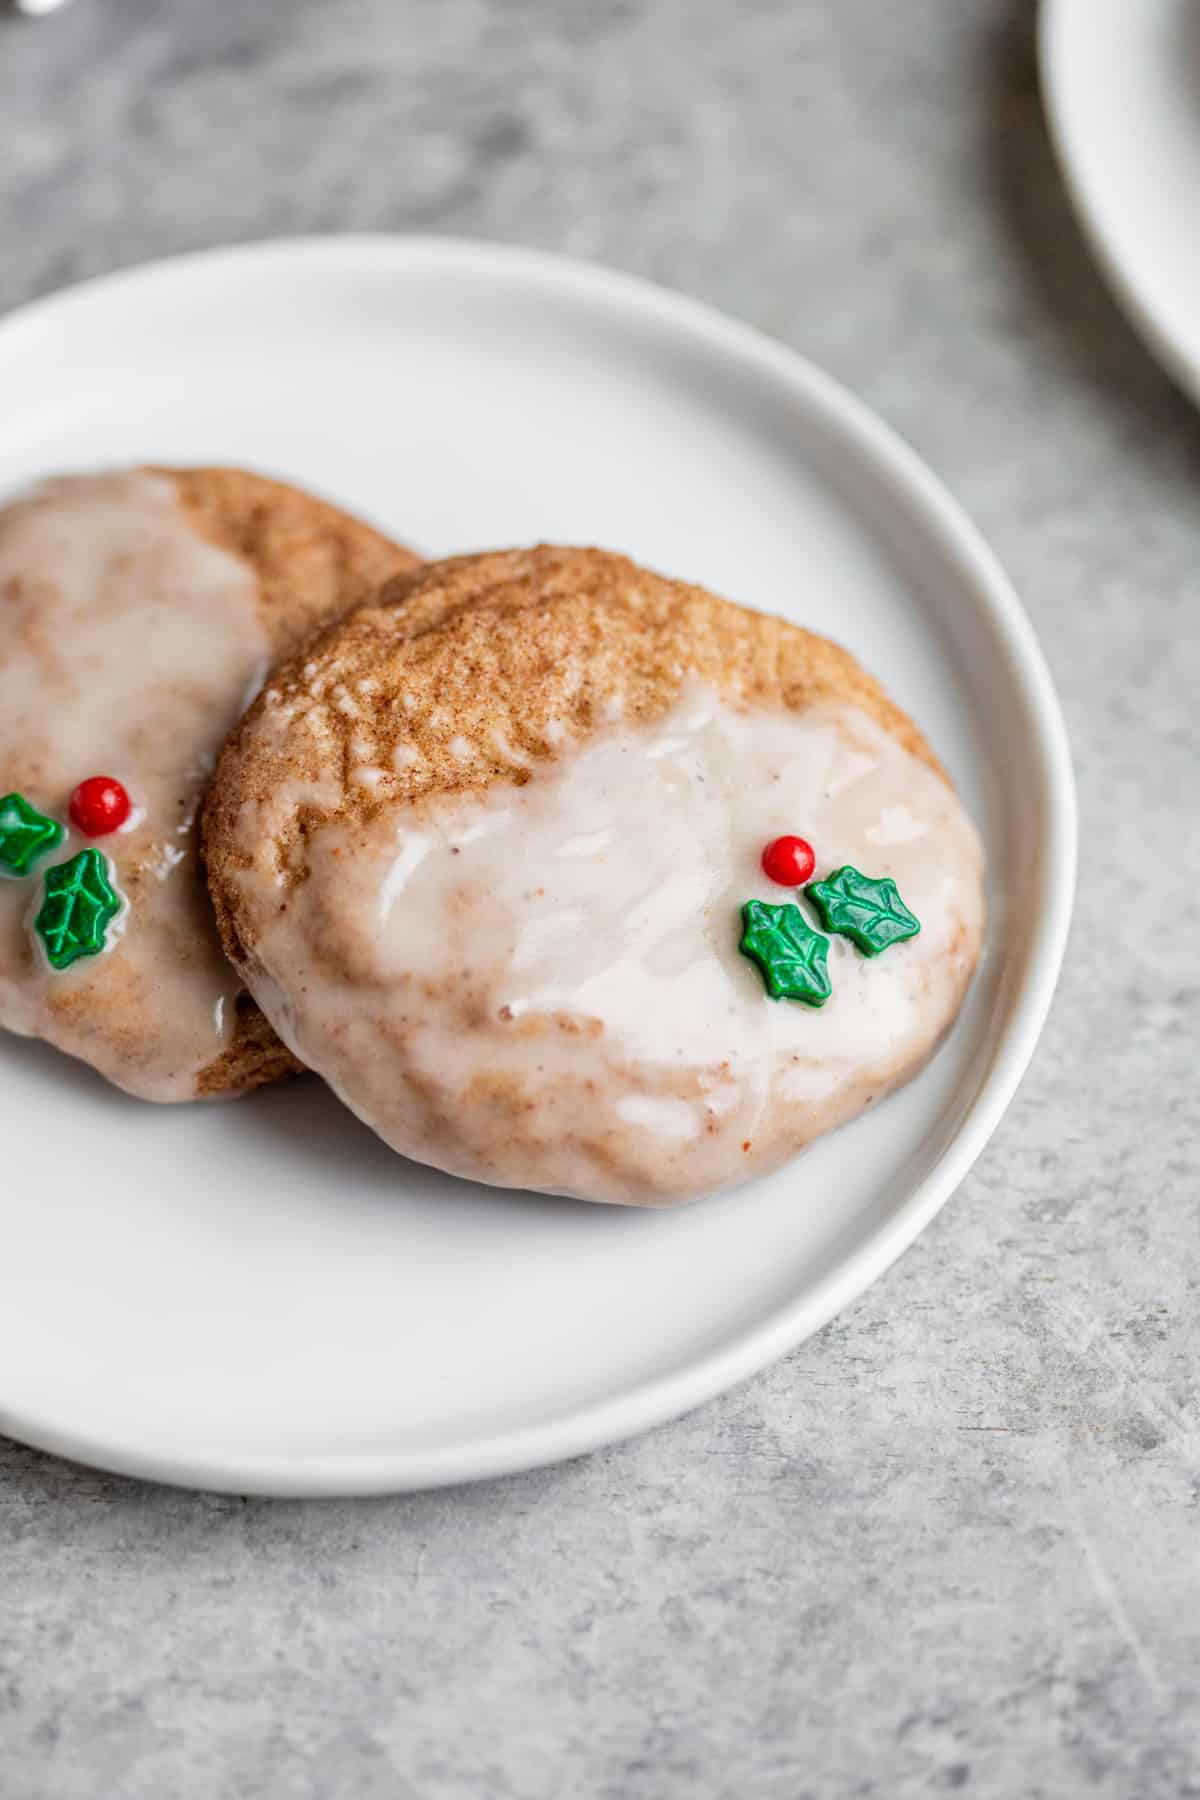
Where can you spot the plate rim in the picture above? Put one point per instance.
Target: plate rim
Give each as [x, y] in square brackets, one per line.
[1056, 22]
[905, 477]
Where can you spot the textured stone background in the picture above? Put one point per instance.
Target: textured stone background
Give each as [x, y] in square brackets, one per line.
[954, 1542]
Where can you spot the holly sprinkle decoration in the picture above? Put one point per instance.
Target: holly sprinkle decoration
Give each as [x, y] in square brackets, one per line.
[790, 954]
[789, 861]
[870, 913]
[25, 834]
[79, 906]
[99, 805]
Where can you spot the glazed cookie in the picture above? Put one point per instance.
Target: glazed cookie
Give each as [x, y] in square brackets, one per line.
[492, 854]
[139, 612]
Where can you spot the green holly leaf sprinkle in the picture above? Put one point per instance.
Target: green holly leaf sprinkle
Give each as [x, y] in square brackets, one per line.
[790, 954]
[870, 913]
[25, 834]
[80, 905]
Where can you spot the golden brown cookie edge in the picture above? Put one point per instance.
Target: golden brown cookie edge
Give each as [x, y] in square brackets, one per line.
[311, 561]
[441, 627]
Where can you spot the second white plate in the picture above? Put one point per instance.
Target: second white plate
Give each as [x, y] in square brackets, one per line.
[259, 1297]
[1121, 84]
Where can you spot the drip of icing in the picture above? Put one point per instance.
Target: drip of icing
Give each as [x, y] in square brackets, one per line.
[540, 986]
[130, 646]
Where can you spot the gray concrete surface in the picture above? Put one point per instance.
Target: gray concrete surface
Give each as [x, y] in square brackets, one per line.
[953, 1544]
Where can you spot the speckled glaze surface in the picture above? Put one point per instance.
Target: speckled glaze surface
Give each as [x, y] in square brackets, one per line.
[539, 986]
[101, 575]
[949, 1545]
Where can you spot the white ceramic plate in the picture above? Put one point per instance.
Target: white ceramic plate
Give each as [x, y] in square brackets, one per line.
[260, 1297]
[1121, 84]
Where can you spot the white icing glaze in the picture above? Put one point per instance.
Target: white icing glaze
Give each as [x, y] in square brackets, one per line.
[540, 986]
[128, 645]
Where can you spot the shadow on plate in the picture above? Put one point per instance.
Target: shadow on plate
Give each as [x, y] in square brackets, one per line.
[64, 1072]
[308, 1123]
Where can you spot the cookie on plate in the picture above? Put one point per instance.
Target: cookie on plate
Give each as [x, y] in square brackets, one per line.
[139, 611]
[490, 855]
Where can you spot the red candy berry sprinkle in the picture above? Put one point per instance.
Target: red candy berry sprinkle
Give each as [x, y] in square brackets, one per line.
[99, 805]
[789, 861]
